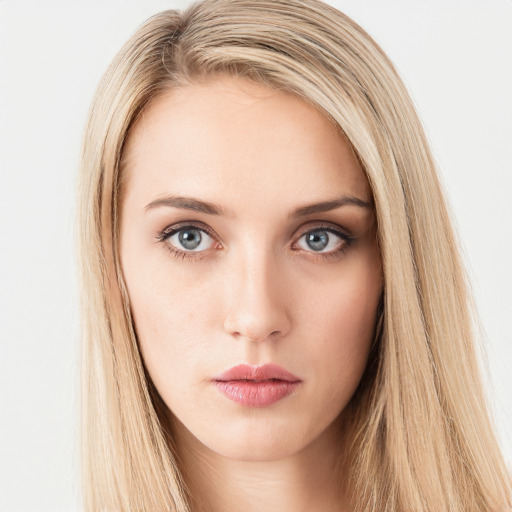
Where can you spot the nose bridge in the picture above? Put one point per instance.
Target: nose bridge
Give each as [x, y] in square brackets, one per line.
[256, 303]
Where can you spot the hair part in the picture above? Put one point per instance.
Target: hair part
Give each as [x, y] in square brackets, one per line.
[419, 440]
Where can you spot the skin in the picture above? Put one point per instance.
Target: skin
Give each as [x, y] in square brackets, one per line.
[254, 291]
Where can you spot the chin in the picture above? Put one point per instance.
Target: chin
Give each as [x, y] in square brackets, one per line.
[258, 448]
[250, 438]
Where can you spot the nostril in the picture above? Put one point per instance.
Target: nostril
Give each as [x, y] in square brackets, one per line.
[257, 339]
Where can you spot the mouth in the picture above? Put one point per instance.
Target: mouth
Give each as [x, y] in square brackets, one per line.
[256, 386]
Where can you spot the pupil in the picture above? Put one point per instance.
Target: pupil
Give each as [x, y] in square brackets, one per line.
[318, 240]
[190, 238]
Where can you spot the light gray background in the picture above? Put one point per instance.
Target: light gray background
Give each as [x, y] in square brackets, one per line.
[455, 58]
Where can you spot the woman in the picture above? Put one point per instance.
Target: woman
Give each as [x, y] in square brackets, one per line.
[276, 316]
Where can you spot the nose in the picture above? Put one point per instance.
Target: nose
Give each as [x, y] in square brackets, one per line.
[256, 299]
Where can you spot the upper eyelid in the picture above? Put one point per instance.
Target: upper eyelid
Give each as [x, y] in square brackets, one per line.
[203, 227]
[333, 228]
[173, 229]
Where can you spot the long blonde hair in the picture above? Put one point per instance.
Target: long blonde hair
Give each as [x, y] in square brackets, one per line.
[421, 435]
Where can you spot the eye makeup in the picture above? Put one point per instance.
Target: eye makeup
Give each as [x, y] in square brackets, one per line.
[319, 234]
[166, 234]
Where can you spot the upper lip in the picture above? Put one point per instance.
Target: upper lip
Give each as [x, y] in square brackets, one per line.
[257, 373]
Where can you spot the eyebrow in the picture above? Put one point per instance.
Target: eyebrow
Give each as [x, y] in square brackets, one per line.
[186, 203]
[326, 206]
[197, 205]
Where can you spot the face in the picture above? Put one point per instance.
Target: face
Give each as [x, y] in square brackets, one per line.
[247, 237]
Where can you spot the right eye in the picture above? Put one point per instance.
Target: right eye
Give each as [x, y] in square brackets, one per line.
[188, 239]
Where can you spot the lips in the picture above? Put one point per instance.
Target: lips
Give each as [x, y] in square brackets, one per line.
[256, 386]
[257, 373]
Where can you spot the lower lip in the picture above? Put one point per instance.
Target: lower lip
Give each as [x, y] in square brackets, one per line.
[256, 393]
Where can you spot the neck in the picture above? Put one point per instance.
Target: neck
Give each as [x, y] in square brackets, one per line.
[311, 479]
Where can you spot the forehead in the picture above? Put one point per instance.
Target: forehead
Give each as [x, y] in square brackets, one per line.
[230, 135]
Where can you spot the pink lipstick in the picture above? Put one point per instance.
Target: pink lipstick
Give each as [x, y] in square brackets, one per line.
[256, 386]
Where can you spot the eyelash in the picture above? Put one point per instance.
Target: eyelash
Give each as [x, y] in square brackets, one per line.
[165, 234]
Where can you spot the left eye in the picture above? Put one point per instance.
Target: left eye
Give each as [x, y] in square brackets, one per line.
[320, 240]
[190, 239]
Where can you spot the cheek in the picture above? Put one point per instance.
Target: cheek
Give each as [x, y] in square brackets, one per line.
[172, 316]
[342, 323]
[344, 344]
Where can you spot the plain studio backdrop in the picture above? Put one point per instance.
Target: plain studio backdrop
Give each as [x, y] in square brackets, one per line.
[454, 57]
